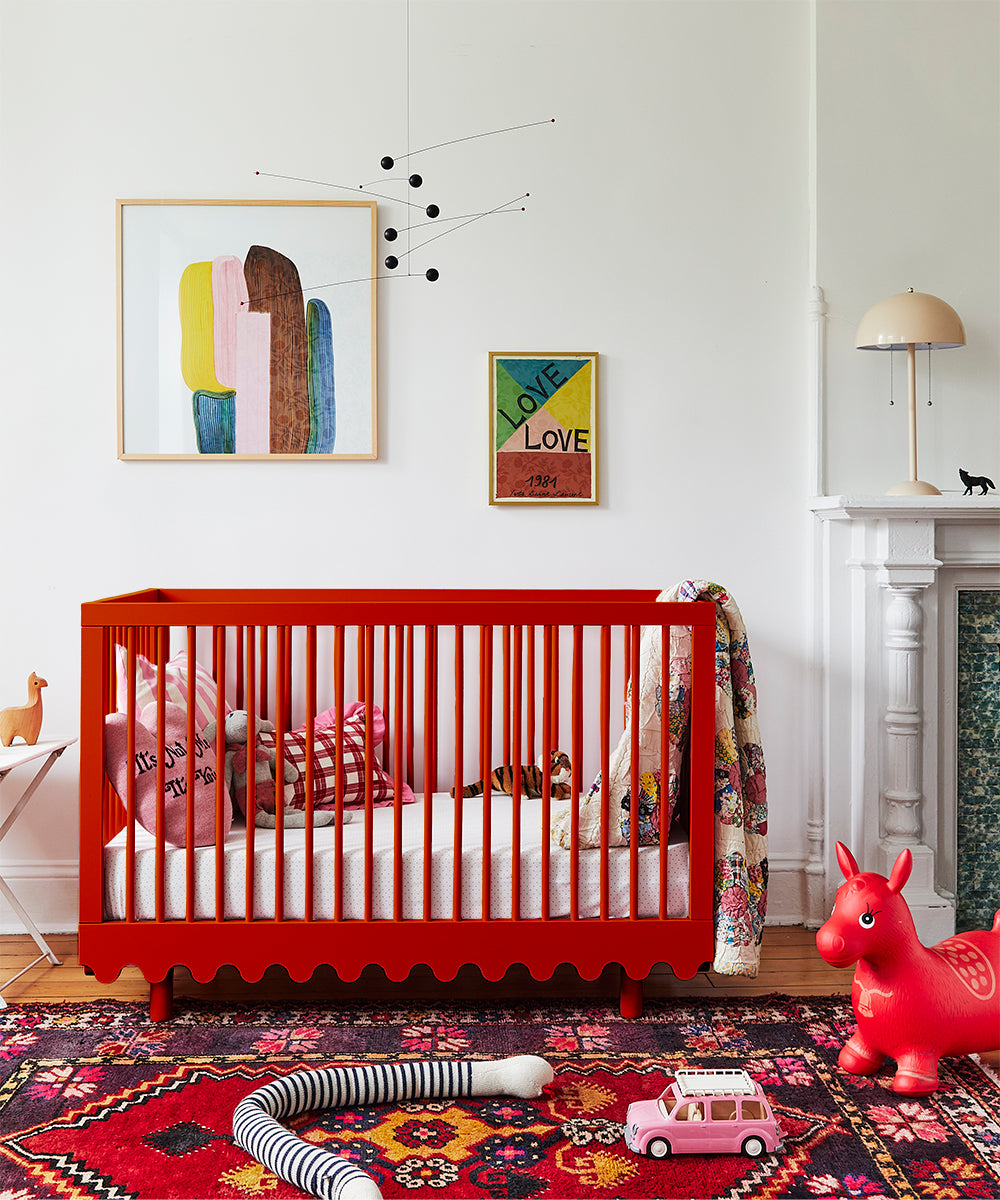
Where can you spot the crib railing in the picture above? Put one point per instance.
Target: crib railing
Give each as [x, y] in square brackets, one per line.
[465, 680]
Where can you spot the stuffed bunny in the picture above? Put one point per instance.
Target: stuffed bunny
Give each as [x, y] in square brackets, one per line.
[265, 789]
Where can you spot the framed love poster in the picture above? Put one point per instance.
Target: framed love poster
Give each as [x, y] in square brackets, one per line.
[543, 428]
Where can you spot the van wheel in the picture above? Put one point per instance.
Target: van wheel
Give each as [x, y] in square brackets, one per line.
[753, 1147]
[658, 1148]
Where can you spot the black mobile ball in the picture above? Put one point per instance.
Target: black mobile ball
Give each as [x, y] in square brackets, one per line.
[416, 180]
[390, 234]
[432, 210]
[392, 262]
[388, 163]
[431, 273]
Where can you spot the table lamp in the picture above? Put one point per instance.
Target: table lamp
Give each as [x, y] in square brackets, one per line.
[911, 321]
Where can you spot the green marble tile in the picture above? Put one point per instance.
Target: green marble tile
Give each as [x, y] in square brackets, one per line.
[978, 758]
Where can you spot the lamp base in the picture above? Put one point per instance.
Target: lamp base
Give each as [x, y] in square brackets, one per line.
[913, 487]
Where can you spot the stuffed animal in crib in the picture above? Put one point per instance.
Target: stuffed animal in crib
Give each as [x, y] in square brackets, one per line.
[238, 754]
[502, 779]
[915, 1004]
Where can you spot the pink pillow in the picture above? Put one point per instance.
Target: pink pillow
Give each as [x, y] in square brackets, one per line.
[176, 671]
[174, 777]
[325, 764]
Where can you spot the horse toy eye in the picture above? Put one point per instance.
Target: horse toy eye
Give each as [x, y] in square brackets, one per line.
[866, 920]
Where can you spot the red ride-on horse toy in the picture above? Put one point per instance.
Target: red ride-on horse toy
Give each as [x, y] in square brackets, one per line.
[913, 1003]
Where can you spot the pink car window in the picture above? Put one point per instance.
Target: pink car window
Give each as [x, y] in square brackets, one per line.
[723, 1110]
[754, 1110]
[691, 1112]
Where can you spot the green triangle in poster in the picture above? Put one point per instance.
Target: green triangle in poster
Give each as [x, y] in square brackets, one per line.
[510, 414]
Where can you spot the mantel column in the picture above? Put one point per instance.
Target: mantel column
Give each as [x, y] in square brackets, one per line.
[901, 785]
[907, 572]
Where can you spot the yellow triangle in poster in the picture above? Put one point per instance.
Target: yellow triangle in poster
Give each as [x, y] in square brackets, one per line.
[570, 406]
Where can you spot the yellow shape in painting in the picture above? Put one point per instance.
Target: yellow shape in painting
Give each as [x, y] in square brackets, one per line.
[570, 406]
[198, 328]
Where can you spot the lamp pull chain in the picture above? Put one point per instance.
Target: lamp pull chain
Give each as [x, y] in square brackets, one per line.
[891, 401]
[928, 375]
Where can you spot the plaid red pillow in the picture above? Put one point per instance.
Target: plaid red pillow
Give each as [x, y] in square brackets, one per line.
[325, 767]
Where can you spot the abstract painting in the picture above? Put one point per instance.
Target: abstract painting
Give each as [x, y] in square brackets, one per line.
[543, 428]
[246, 330]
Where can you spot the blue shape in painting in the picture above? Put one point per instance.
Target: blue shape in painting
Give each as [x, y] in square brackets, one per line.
[319, 379]
[215, 422]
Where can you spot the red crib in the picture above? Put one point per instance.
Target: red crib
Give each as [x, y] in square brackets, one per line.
[464, 680]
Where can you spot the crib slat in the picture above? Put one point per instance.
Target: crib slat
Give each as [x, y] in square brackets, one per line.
[130, 778]
[338, 702]
[456, 837]
[310, 783]
[702, 767]
[505, 701]
[547, 710]
[397, 777]
[191, 763]
[386, 706]
[634, 809]
[576, 781]
[605, 739]
[430, 766]
[486, 739]
[530, 693]
[162, 648]
[369, 691]
[665, 634]
[221, 797]
[281, 721]
[516, 718]
[411, 775]
[251, 788]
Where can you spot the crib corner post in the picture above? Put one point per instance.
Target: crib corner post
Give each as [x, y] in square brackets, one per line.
[161, 998]
[630, 996]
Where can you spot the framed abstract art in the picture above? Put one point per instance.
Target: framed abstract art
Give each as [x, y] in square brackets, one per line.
[543, 428]
[246, 329]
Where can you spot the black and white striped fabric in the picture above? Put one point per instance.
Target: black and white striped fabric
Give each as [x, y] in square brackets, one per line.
[316, 1170]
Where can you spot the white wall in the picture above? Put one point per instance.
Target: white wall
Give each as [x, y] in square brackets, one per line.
[668, 229]
[909, 196]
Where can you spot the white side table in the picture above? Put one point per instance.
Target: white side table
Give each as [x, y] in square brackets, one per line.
[17, 755]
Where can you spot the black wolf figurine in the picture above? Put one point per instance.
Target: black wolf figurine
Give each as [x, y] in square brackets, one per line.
[971, 481]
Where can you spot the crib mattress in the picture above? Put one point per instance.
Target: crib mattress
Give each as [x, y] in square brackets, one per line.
[353, 883]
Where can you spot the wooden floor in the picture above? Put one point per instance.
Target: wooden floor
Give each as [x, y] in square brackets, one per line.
[789, 964]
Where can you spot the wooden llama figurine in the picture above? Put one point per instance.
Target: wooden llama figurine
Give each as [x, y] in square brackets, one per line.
[26, 720]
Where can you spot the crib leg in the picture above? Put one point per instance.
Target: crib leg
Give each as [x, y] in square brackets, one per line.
[630, 996]
[161, 998]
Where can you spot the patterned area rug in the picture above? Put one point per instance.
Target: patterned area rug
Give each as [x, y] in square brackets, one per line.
[96, 1102]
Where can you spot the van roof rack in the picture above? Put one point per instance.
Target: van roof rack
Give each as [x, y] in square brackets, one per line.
[708, 1082]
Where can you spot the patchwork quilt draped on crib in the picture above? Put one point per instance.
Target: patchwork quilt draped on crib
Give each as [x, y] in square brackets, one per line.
[740, 882]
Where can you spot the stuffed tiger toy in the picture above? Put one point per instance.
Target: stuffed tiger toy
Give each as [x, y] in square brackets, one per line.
[502, 779]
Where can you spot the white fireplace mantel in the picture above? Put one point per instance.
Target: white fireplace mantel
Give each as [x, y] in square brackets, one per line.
[889, 573]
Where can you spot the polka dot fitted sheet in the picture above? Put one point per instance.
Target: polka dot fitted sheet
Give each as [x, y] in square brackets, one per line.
[325, 874]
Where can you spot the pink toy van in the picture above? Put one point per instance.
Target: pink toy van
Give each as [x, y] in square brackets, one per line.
[704, 1112]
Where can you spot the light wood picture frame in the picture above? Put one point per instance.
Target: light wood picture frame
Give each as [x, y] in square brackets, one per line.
[543, 428]
[247, 329]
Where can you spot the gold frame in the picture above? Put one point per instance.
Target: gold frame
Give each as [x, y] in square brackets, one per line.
[133, 339]
[549, 383]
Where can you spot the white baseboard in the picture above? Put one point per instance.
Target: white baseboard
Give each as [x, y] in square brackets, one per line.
[47, 890]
